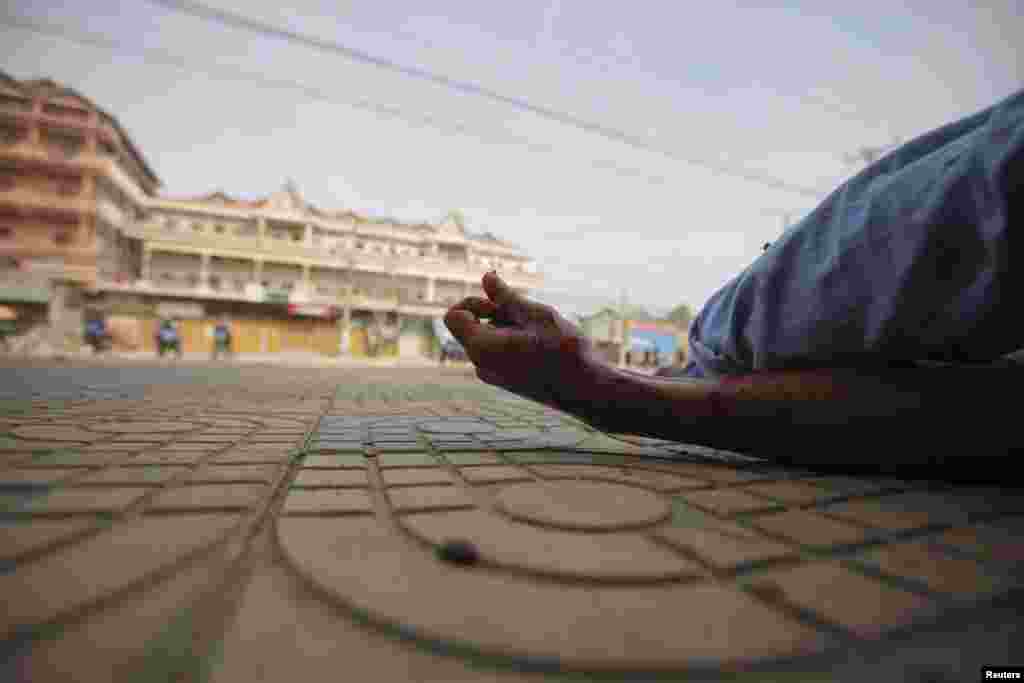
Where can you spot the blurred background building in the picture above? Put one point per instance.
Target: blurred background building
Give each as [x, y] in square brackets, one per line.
[83, 229]
[620, 339]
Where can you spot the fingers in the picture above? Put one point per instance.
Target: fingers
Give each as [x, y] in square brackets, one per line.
[461, 323]
[463, 318]
[512, 306]
[486, 344]
[481, 308]
[499, 292]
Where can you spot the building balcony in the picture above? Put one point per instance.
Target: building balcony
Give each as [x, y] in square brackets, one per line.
[283, 251]
[30, 203]
[254, 292]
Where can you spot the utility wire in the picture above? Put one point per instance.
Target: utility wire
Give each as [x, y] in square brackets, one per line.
[600, 60]
[165, 58]
[238, 21]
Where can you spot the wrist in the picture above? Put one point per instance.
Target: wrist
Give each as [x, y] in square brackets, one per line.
[605, 397]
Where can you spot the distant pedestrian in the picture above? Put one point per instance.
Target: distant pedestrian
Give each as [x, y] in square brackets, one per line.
[222, 340]
[167, 339]
[96, 334]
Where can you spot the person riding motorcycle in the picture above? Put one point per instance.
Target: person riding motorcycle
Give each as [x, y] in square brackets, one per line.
[167, 339]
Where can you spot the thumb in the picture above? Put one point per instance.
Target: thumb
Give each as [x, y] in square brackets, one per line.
[497, 291]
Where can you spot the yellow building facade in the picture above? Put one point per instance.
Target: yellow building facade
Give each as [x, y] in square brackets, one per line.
[82, 228]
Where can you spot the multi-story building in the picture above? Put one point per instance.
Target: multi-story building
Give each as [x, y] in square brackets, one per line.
[78, 206]
[69, 175]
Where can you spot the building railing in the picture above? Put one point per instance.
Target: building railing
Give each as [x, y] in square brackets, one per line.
[376, 300]
[282, 251]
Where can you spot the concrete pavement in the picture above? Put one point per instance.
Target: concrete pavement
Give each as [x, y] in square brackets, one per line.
[241, 522]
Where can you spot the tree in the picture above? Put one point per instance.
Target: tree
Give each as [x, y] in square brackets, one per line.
[681, 316]
[636, 312]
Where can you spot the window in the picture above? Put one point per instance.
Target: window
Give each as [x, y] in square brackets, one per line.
[197, 226]
[6, 233]
[7, 181]
[62, 237]
[219, 229]
[214, 282]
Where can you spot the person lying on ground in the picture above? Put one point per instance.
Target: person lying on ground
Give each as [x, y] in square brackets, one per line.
[884, 312]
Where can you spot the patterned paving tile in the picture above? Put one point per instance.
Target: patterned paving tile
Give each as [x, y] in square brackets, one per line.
[434, 507]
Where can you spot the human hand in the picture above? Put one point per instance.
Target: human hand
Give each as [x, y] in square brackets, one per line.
[528, 349]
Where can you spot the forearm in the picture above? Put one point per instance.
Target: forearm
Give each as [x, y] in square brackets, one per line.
[809, 416]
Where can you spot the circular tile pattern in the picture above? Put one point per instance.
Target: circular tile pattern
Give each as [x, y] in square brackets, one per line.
[583, 505]
[145, 427]
[359, 562]
[579, 570]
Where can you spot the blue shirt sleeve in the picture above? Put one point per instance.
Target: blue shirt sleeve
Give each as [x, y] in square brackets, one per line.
[906, 261]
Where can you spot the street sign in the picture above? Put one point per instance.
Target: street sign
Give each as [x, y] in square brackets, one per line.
[314, 310]
[275, 297]
[180, 310]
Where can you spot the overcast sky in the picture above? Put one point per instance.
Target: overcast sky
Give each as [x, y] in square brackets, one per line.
[783, 91]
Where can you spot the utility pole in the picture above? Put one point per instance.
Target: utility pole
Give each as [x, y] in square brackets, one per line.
[622, 328]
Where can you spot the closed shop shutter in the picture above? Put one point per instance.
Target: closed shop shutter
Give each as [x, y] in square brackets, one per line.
[247, 335]
[357, 342]
[272, 336]
[196, 335]
[326, 338]
[297, 334]
[147, 337]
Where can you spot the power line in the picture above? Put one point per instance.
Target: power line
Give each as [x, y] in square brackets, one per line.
[165, 58]
[238, 21]
[594, 59]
